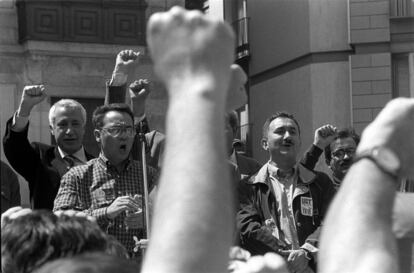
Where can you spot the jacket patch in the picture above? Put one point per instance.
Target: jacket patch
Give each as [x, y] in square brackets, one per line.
[306, 206]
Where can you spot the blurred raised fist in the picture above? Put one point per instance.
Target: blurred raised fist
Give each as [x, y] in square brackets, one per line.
[31, 96]
[188, 47]
[237, 95]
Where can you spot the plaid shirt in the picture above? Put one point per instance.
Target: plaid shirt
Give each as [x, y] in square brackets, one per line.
[91, 188]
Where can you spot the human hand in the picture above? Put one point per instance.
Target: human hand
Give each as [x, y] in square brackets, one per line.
[31, 96]
[394, 128]
[324, 135]
[139, 91]
[297, 261]
[125, 60]
[268, 263]
[191, 51]
[140, 244]
[13, 213]
[74, 213]
[237, 95]
[121, 204]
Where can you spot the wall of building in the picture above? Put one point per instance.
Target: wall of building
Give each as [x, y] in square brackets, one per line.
[316, 94]
[299, 63]
[279, 33]
[68, 70]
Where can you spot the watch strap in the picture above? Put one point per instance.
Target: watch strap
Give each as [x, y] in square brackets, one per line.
[369, 154]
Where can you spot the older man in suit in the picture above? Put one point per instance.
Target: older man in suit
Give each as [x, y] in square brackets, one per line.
[40, 164]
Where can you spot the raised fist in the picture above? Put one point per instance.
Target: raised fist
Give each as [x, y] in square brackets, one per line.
[324, 135]
[125, 61]
[31, 96]
[187, 47]
[139, 91]
[237, 95]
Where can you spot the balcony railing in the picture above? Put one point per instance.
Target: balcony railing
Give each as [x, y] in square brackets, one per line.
[91, 21]
[241, 29]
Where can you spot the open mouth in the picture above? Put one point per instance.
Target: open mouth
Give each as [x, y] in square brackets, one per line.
[123, 147]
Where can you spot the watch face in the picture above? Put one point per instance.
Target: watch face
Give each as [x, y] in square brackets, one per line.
[387, 159]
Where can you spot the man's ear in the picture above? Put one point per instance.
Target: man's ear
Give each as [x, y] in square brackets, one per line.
[97, 135]
[265, 144]
[51, 130]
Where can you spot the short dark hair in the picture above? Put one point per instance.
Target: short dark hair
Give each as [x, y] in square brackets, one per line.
[342, 133]
[31, 240]
[100, 112]
[281, 114]
[94, 262]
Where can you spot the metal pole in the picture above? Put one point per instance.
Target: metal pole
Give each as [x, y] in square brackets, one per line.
[145, 178]
[146, 194]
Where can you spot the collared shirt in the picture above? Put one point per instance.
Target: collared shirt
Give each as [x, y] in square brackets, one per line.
[94, 186]
[284, 189]
[79, 156]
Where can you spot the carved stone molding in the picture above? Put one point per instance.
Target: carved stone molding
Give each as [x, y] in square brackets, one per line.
[90, 21]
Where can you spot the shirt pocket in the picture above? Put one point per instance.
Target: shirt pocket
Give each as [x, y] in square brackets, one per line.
[102, 197]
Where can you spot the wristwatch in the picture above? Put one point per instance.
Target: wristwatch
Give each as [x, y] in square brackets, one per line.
[385, 159]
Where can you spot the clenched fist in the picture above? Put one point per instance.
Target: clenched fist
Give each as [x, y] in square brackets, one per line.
[31, 96]
[187, 47]
[125, 60]
[139, 91]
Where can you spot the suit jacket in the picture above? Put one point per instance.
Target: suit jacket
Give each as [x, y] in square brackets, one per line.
[10, 188]
[40, 164]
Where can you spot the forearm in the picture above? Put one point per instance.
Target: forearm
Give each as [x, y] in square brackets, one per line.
[311, 157]
[188, 196]
[366, 242]
[115, 94]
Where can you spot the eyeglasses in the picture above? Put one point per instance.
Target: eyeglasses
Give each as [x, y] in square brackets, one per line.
[117, 131]
[342, 152]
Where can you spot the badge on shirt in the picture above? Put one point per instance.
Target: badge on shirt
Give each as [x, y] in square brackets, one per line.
[306, 206]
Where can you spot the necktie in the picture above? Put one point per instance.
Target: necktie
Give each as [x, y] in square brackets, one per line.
[70, 160]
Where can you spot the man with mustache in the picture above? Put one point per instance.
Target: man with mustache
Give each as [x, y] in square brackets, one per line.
[284, 203]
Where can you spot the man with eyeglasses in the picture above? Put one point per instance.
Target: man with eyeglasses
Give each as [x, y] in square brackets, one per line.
[110, 187]
[339, 147]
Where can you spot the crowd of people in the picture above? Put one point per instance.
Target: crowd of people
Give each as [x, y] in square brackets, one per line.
[187, 201]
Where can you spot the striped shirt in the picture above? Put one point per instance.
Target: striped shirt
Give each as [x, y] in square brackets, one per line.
[92, 187]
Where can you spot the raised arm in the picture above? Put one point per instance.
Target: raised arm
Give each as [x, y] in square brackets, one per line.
[17, 148]
[192, 227]
[362, 208]
[116, 87]
[323, 137]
